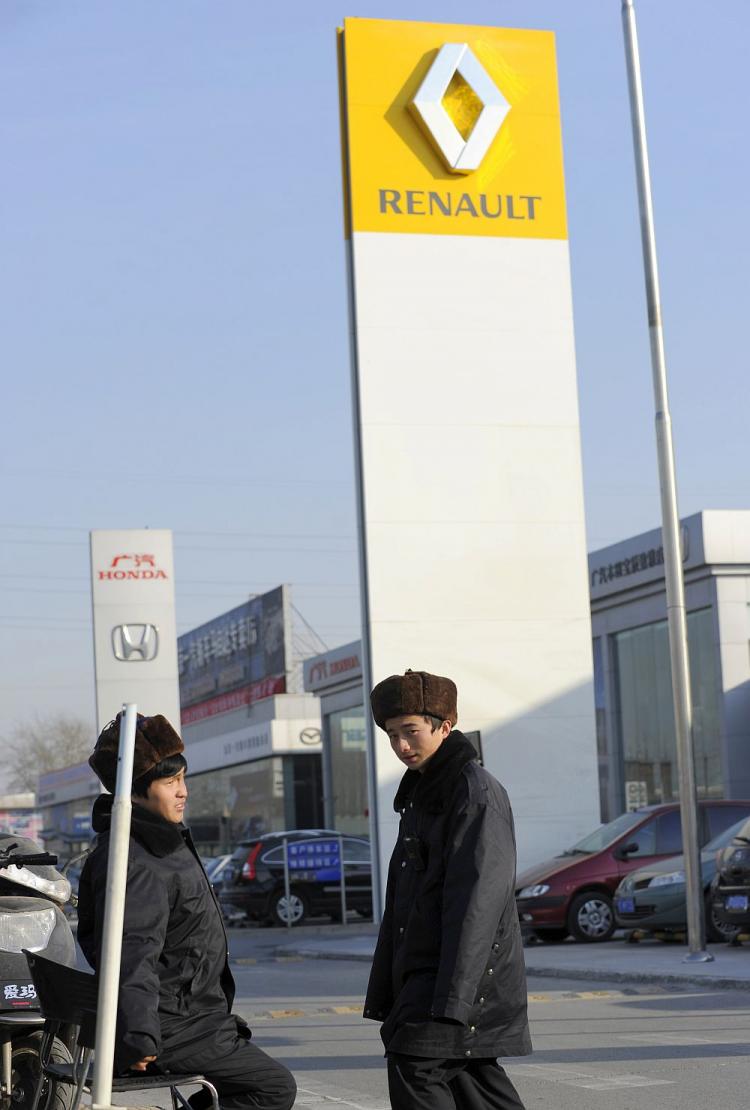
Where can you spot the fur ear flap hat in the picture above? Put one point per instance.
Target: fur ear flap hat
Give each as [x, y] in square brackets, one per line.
[414, 693]
[155, 739]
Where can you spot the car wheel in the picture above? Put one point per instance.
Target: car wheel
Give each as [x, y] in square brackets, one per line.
[591, 917]
[553, 935]
[293, 910]
[716, 930]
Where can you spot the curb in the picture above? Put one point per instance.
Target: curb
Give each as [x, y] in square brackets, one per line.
[316, 954]
[667, 978]
[719, 982]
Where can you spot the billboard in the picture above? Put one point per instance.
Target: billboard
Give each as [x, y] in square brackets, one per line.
[135, 635]
[235, 659]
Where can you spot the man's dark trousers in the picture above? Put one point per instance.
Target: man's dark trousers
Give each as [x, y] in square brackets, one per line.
[244, 1076]
[421, 1083]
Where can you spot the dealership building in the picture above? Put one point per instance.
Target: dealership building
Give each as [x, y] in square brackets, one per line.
[632, 682]
[633, 697]
[252, 734]
[270, 748]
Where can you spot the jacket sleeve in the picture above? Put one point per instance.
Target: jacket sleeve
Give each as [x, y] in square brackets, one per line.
[379, 997]
[143, 937]
[144, 932]
[479, 882]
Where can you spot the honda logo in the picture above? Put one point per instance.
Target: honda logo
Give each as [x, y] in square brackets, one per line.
[135, 643]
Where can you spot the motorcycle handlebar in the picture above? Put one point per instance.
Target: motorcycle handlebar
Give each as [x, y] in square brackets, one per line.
[39, 859]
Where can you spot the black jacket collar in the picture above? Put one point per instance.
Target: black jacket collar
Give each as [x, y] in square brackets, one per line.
[437, 782]
[159, 836]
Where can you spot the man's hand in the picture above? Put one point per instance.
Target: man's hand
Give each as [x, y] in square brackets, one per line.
[142, 1064]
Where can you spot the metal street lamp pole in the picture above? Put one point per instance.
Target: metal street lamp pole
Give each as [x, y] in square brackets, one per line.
[677, 623]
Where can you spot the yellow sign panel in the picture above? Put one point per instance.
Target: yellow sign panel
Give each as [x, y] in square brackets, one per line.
[451, 130]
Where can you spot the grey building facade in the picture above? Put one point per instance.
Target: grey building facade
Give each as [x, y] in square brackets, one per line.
[634, 713]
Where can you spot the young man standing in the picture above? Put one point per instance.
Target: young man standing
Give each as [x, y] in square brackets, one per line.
[176, 990]
[448, 979]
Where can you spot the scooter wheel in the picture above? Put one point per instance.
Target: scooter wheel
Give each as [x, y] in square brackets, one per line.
[25, 1073]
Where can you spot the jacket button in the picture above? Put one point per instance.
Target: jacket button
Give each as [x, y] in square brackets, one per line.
[490, 972]
[495, 947]
[403, 863]
[401, 929]
[481, 1000]
[472, 1028]
[468, 1052]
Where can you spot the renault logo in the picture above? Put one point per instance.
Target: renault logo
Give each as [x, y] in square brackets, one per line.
[135, 643]
[460, 107]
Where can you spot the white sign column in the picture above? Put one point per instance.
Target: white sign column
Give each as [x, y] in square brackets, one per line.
[135, 634]
[466, 415]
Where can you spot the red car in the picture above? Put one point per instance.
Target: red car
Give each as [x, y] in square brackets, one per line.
[572, 893]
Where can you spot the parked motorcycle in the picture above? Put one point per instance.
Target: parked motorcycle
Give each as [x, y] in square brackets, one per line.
[32, 893]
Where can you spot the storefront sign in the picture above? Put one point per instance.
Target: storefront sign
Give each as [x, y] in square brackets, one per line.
[236, 659]
[614, 567]
[341, 665]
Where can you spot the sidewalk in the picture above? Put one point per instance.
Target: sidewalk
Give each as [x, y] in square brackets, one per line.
[650, 961]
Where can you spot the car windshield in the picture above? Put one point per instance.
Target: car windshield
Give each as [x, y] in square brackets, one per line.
[739, 831]
[605, 835]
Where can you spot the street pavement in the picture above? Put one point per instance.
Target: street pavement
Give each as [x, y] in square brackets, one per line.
[656, 1044]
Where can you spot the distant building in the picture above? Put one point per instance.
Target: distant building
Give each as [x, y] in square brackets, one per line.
[20, 816]
[634, 712]
[336, 678]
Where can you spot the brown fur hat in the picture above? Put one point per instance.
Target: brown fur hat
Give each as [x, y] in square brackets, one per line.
[416, 692]
[155, 739]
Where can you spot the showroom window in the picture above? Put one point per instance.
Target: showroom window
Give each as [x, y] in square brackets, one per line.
[645, 712]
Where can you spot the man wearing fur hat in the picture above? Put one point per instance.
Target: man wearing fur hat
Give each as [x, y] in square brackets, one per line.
[176, 990]
[448, 979]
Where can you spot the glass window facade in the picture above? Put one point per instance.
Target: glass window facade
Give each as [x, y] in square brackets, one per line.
[347, 749]
[645, 713]
[602, 746]
[237, 803]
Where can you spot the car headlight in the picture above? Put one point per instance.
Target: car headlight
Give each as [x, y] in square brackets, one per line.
[534, 891]
[674, 878]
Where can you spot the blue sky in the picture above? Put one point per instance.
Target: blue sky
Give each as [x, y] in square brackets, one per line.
[172, 299]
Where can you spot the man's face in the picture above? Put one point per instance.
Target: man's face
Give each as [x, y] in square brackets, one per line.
[166, 798]
[413, 740]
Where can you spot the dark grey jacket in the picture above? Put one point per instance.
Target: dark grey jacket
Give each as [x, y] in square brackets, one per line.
[175, 984]
[448, 975]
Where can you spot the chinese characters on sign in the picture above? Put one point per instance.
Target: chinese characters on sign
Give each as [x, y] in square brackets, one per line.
[19, 993]
[315, 859]
[234, 660]
[632, 565]
[218, 642]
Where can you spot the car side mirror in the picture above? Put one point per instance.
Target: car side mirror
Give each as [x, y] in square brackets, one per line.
[624, 850]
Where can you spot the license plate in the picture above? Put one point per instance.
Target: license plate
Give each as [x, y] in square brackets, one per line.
[626, 905]
[17, 994]
[737, 902]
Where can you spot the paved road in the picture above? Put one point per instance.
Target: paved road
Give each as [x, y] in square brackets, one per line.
[627, 1048]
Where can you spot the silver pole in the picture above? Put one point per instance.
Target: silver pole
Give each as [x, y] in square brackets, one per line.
[343, 879]
[677, 623]
[287, 885]
[114, 912]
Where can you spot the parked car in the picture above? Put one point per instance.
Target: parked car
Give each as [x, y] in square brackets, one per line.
[253, 881]
[653, 898]
[216, 866]
[573, 893]
[730, 889]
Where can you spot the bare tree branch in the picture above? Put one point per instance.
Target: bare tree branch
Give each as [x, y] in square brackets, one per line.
[44, 744]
